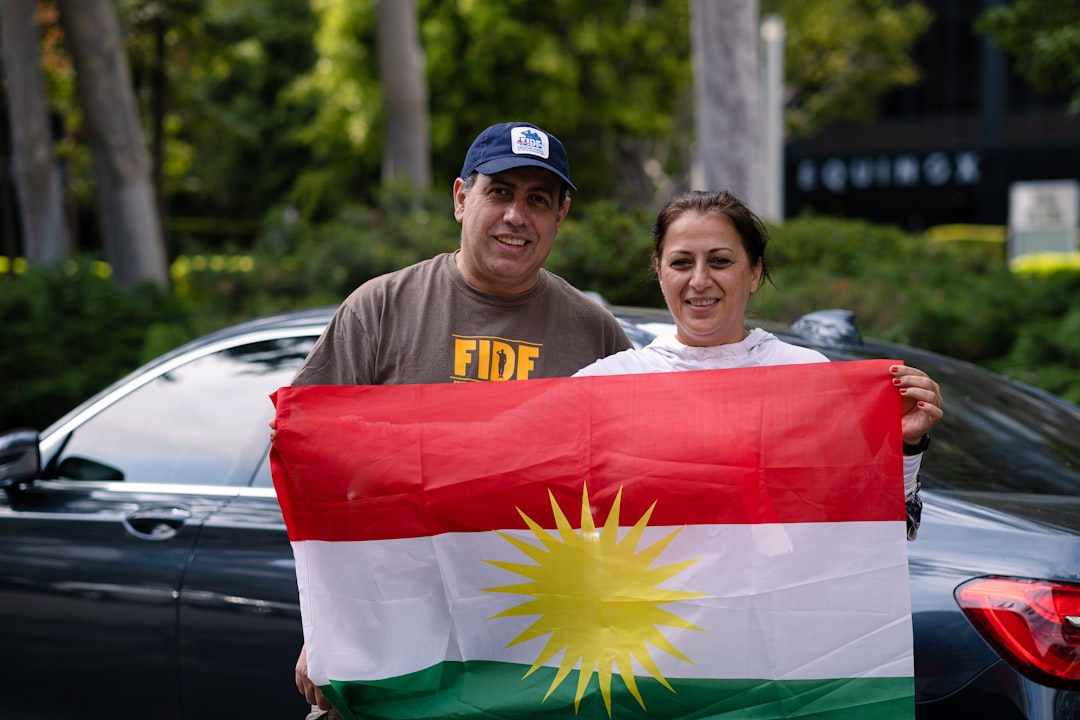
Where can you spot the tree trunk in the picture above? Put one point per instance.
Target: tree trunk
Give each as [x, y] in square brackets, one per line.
[724, 38]
[38, 184]
[131, 227]
[404, 86]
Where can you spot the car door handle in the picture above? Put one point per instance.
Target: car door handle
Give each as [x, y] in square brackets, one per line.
[156, 523]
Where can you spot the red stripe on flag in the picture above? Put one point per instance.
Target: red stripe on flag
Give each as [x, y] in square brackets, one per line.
[795, 443]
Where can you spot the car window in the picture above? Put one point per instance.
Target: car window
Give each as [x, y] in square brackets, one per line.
[263, 476]
[204, 422]
[997, 435]
[1001, 437]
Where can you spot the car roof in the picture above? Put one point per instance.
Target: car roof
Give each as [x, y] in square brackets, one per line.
[302, 317]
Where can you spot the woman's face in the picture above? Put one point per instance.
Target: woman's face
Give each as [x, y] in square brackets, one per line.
[707, 278]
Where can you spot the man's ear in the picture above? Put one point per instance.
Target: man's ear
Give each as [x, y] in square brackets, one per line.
[459, 199]
[562, 212]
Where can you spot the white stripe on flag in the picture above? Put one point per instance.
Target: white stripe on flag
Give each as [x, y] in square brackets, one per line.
[385, 607]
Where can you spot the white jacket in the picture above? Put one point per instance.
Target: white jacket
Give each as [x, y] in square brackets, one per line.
[666, 354]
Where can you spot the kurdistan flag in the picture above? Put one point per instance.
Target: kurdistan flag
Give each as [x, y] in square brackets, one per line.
[712, 544]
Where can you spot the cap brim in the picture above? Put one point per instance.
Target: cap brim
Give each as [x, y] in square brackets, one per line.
[503, 164]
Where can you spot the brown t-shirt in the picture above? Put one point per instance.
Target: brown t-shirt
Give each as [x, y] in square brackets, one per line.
[425, 324]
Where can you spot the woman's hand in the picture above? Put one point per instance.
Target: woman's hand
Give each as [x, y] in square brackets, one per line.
[922, 401]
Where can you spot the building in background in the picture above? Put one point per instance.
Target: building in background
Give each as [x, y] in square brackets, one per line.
[946, 150]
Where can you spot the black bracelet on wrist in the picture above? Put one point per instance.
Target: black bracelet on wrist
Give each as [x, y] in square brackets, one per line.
[919, 447]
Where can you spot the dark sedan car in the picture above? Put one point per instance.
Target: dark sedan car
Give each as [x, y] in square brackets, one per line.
[145, 571]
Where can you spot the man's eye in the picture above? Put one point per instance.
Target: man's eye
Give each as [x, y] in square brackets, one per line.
[541, 200]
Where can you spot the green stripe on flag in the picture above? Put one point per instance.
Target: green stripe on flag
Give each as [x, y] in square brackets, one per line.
[488, 690]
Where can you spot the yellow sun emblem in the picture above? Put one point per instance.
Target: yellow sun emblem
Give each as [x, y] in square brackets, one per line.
[597, 597]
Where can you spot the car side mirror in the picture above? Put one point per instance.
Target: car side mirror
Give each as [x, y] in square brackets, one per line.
[20, 457]
[832, 328]
[77, 468]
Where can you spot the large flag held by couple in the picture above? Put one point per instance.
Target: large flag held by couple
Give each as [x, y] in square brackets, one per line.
[711, 544]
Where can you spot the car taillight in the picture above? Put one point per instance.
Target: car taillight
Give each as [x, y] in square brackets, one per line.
[1034, 624]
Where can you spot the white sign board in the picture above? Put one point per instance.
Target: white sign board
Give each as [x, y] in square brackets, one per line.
[1043, 217]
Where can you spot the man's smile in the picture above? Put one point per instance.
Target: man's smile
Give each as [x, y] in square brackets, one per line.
[512, 241]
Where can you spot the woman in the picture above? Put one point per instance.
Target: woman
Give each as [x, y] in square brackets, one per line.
[709, 256]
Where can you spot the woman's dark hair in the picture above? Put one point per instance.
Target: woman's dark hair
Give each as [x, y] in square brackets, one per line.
[720, 203]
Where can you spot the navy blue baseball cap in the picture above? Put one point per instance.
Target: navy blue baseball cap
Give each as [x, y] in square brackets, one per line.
[516, 144]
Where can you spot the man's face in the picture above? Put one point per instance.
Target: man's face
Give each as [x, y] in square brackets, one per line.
[508, 224]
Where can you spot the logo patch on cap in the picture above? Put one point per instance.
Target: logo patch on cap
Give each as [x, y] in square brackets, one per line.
[529, 141]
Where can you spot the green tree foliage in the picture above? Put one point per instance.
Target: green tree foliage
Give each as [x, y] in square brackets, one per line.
[343, 134]
[232, 143]
[842, 56]
[274, 102]
[1044, 38]
[1046, 351]
[612, 79]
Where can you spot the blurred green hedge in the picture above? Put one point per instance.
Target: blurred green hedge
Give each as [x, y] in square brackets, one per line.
[69, 332]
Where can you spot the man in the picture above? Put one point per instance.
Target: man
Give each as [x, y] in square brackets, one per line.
[487, 312]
